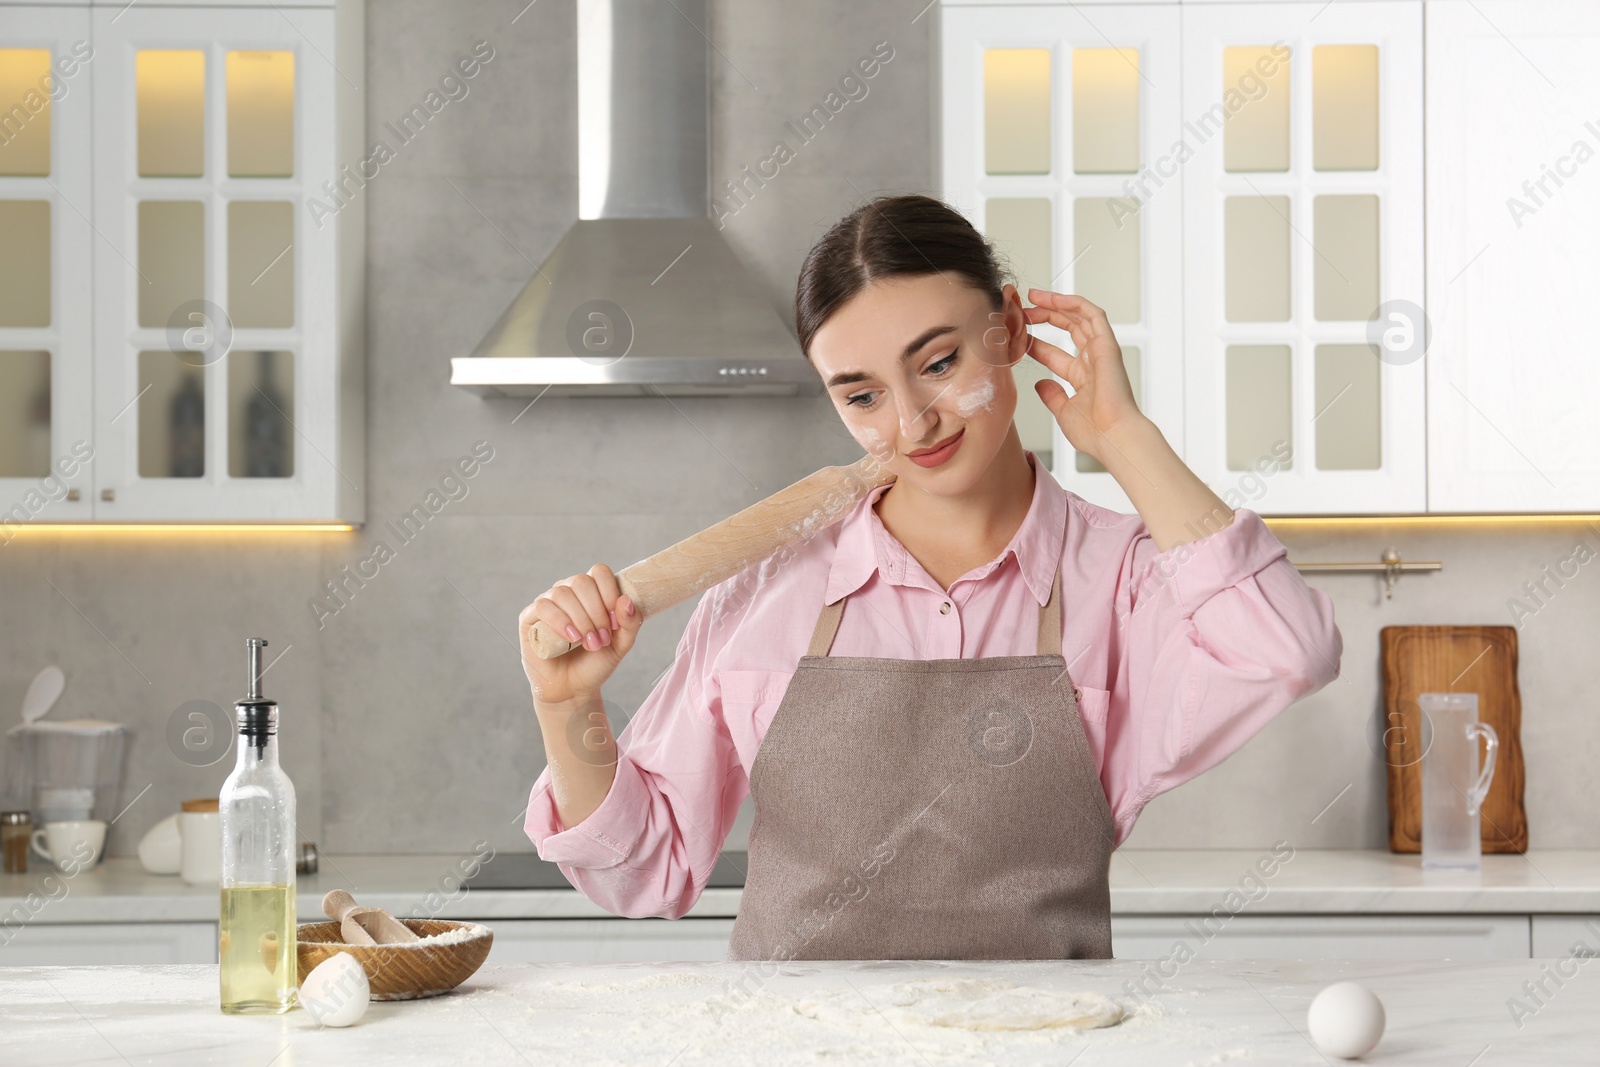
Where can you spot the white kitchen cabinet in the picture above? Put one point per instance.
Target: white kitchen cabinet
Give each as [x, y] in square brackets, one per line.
[205, 332]
[1513, 266]
[46, 383]
[224, 332]
[1052, 117]
[1321, 937]
[1555, 936]
[1240, 185]
[608, 940]
[101, 944]
[1465, 936]
[1302, 219]
[1151, 937]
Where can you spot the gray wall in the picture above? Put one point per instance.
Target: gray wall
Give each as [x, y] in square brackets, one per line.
[407, 725]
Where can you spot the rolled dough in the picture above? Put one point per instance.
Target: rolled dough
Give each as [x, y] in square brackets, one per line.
[966, 1004]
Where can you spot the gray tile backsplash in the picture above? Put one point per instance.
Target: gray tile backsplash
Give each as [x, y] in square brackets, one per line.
[407, 725]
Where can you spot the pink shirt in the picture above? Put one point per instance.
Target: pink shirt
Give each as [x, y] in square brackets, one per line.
[1178, 659]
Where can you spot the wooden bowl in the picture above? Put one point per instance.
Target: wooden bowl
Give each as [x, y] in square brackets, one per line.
[407, 970]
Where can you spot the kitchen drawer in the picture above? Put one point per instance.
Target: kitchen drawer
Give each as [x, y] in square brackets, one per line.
[1322, 937]
[1555, 935]
[97, 944]
[608, 940]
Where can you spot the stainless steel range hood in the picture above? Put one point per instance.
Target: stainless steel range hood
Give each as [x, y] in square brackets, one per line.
[642, 296]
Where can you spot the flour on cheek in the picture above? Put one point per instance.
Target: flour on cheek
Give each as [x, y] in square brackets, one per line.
[981, 397]
[871, 440]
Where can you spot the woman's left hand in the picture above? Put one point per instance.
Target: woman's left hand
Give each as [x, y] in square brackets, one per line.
[1103, 401]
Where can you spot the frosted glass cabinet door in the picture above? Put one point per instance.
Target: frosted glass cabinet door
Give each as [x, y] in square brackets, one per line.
[217, 364]
[1513, 261]
[1059, 125]
[46, 394]
[1302, 244]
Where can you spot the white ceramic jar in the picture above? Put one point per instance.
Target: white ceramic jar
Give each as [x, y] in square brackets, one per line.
[201, 827]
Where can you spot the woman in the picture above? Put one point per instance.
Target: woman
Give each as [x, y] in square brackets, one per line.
[942, 768]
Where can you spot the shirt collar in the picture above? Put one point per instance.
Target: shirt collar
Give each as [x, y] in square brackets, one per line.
[865, 545]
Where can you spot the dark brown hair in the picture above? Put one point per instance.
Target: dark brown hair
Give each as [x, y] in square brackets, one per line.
[888, 237]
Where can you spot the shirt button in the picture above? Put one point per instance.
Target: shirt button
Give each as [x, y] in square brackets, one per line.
[944, 609]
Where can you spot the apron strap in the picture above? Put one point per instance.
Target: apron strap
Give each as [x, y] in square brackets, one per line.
[1049, 640]
[1050, 619]
[827, 626]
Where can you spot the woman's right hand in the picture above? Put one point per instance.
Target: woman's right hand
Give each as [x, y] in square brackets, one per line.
[589, 610]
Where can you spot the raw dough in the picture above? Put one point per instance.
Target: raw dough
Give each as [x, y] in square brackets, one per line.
[965, 1003]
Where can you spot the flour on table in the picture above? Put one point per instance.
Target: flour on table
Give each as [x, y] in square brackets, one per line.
[663, 980]
[716, 1017]
[966, 1004]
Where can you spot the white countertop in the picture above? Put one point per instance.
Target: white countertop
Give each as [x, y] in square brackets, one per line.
[1143, 882]
[1438, 1012]
[1360, 881]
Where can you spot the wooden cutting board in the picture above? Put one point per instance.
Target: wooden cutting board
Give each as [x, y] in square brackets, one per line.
[1452, 659]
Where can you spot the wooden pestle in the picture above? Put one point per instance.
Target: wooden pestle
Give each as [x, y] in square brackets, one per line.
[340, 907]
[364, 926]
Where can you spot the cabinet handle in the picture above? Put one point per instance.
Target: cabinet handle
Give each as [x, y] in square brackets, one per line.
[108, 495]
[73, 494]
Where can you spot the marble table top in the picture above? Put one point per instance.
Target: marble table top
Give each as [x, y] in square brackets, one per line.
[1459, 1014]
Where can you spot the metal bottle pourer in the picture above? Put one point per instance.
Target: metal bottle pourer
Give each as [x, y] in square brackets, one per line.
[256, 716]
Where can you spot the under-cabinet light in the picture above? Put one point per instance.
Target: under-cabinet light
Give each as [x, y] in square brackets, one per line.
[1424, 520]
[6, 531]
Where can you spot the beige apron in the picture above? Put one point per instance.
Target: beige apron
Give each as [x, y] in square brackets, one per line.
[927, 809]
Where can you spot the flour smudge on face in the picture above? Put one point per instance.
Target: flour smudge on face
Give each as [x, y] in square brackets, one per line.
[869, 439]
[981, 397]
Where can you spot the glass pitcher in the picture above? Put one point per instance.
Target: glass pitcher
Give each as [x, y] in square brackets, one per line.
[1452, 786]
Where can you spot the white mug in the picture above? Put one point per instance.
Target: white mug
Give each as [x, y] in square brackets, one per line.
[72, 845]
[201, 862]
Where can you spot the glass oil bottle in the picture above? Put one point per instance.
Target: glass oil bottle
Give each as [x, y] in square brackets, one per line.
[256, 935]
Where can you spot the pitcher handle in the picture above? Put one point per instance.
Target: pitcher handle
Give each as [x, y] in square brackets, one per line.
[1480, 789]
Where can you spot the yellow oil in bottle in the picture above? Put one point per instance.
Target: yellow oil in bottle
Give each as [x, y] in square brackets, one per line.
[256, 949]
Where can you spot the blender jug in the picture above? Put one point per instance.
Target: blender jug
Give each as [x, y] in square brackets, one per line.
[1452, 786]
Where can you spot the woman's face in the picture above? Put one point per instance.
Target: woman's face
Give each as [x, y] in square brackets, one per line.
[914, 362]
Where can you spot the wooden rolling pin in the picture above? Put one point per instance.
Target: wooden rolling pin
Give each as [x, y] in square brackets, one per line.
[718, 552]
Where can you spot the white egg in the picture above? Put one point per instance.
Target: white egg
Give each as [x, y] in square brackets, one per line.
[336, 991]
[1346, 1020]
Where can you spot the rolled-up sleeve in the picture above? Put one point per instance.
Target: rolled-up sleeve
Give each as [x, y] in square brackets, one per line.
[651, 844]
[1215, 637]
